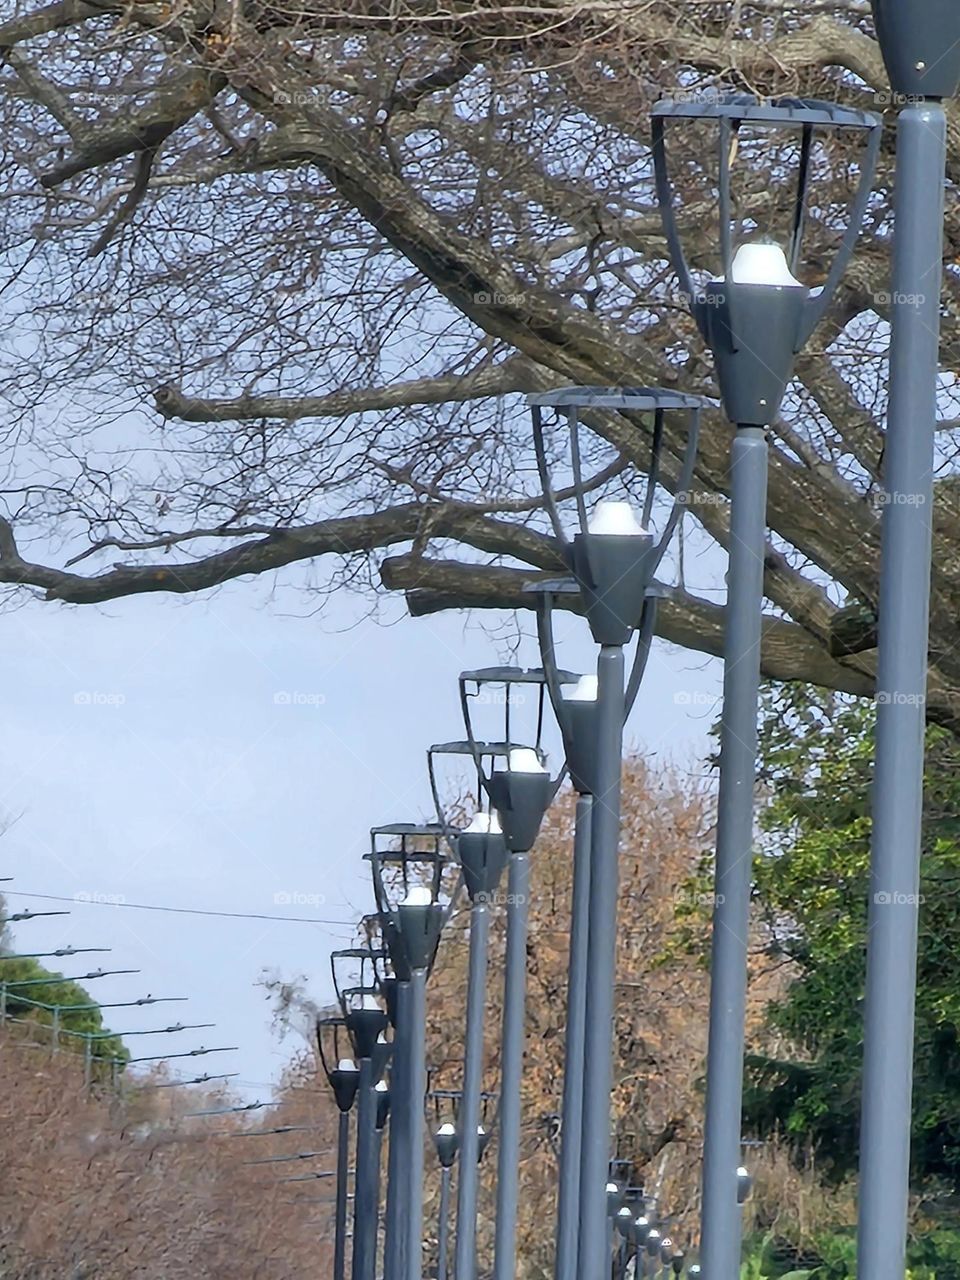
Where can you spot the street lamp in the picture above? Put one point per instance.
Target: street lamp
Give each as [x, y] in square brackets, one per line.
[366, 1023]
[408, 883]
[343, 1076]
[520, 789]
[482, 853]
[920, 42]
[612, 559]
[755, 317]
[447, 1144]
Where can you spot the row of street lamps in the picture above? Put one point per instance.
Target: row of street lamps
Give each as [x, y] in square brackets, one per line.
[755, 316]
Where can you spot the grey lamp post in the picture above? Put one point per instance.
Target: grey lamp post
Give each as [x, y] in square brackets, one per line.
[343, 1076]
[366, 1023]
[446, 1142]
[755, 318]
[920, 40]
[612, 559]
[482, 854]
[408, 885]
[521, 792]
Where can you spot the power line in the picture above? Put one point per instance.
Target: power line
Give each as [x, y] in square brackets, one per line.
[183, 911]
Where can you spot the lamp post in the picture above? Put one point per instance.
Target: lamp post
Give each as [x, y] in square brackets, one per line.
[612, 559]
[755, 317]
[408, 883]
[446, 1142]
[366, 1023]
[482, 853]
[343, 1076]
[920, 41]
[520, 789]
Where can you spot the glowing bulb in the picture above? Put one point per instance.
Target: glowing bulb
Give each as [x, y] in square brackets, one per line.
[612, 1188]
[381, 1086]
[418, 896]
[618, 518]
[485, 823]
[763, 264]
[585, 690]
[346, 1064]
[446, 1130]
[524, 760]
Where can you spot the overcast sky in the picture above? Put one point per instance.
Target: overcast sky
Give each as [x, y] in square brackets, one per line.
[230, 753]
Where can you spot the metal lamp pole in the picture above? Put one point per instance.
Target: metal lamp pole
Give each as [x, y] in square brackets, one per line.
[446, 1142]
[366, 1023]
[755, 318]
[920, 41]
[520, 793]
[407, 882]
[343, 1076]
[482, 853]
[613, 559]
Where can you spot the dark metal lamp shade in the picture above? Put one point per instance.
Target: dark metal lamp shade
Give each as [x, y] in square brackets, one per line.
[920, 41]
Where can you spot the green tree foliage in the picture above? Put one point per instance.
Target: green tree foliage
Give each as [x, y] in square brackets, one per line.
[812, 887]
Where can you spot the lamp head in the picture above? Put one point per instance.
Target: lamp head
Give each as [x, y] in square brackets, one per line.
[447, 1144]
[521, 794]
[482, 852]
[614, 560]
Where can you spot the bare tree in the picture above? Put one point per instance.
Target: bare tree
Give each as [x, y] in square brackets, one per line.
[277, 273]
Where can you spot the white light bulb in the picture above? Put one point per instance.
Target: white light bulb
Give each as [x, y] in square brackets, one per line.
[618, 518]
[346, 1064]
[743, 1173]
[486, 823]
[612, 1188]
[381, 1038]
[625, 1212]
[481, 1131]
[446, 1130]
[381, 1086]
[763, 264]
[418, 896]
[525, 760]
[585, 690]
